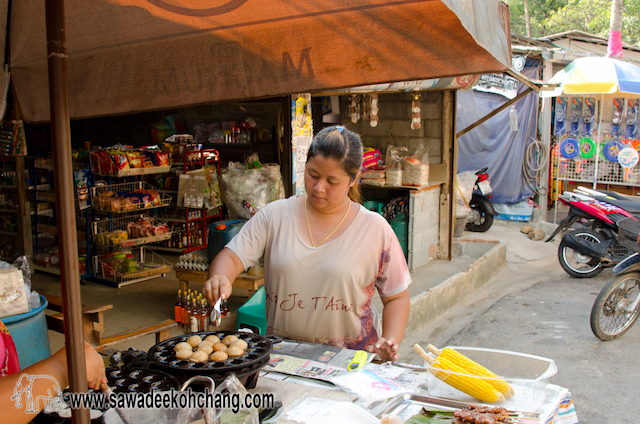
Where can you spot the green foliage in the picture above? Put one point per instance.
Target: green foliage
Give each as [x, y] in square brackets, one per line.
[548, 17]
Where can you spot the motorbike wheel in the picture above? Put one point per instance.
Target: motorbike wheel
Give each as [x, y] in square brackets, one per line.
[577, 264]
[480, 219]
[610, 318]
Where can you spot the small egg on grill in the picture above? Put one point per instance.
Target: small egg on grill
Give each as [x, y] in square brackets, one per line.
[228, 339]
[206, 349]
[182, 345]
[219, 347]
[184, 353]
[211, 340]
[240, 343]
[219, 356]
[199, 356]
[194, 340]
[235, 351]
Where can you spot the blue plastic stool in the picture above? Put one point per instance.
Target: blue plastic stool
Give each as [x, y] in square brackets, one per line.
[253, 314]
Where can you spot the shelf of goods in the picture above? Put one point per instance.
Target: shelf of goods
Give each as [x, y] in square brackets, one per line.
[190, 229]
[129, 231]
[8, 210]
[127, 197]
[120, 269]
[46, 256]
[129, 163]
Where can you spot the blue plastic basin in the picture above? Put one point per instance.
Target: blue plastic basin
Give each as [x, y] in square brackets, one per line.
[29, 333]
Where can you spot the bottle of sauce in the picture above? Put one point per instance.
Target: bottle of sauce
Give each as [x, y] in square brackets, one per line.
[186, 313]
[178, 309]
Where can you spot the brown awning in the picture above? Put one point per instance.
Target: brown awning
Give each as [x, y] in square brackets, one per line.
[127, 56]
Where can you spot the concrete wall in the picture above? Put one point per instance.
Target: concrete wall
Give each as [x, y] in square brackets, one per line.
[424, 221]
[394, 123]
[394, 128]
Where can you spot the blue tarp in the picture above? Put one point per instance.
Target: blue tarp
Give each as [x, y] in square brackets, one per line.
[493, 144]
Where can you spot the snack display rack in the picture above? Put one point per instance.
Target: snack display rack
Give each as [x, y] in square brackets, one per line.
[129, 231]
[149, 265]
[102, 196]
[102, 167]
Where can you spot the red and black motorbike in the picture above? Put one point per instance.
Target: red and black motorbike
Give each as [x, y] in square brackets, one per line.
[482, 211]
[585, 252]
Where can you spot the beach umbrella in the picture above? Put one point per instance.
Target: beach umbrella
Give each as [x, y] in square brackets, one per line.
[589, 76]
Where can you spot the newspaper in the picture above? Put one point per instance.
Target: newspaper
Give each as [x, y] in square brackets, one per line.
[321, 362]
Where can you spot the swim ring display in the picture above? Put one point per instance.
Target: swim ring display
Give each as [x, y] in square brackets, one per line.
[611, 150]
[569, 148]
[587, 148]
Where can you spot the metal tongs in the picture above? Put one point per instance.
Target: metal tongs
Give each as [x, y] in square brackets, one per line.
[215, 317]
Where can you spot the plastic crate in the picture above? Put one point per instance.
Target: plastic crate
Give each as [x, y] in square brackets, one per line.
[528, 375]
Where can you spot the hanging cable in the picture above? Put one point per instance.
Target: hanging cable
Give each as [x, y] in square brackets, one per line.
[535, 159]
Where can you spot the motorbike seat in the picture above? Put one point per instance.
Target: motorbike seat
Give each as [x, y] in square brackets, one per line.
[620, 196]
[631, 206]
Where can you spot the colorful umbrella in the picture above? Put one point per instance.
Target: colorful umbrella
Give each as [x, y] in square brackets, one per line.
[597, 75]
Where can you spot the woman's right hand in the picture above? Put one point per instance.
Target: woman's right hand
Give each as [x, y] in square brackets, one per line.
[215, 287]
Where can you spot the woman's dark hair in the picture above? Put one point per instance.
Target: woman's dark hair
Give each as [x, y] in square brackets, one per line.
[343, 146]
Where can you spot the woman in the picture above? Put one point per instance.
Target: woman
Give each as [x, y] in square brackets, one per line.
[50, 374]
[324, 256]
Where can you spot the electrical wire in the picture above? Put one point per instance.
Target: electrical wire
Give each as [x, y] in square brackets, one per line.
[535, 160]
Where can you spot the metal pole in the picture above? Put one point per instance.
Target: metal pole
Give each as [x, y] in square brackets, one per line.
[546, 141]
[65, 201]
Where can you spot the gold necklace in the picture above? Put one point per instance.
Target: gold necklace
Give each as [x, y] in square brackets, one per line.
[334, 230]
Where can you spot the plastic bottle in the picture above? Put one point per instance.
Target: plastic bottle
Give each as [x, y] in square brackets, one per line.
[513, 118]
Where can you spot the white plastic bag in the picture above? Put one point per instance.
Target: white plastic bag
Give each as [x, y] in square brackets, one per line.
[245, 191]
[465, 182]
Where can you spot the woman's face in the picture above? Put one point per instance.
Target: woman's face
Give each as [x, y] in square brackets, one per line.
[327, 184]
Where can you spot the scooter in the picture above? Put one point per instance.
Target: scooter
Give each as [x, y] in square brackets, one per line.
[617, 306]
[585, 252]
[482, 211]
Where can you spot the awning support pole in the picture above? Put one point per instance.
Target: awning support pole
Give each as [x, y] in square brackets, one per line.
[495, 112]
[65, 202]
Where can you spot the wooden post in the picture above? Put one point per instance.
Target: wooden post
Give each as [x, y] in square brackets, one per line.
[65, 202]
[449, 158]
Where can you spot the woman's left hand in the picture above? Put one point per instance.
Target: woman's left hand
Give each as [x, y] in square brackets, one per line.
[387, 349]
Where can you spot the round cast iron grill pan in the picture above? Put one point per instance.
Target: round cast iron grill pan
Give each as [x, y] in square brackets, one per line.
[258, 349]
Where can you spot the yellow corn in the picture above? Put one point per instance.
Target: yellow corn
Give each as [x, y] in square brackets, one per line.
[473, 386]
[473, 368]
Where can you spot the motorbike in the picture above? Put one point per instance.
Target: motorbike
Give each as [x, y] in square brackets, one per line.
[585, 252]
[617, 307]
[482, 211]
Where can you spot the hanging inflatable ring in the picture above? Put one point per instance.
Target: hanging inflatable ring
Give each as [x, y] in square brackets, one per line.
[569, 148]
[611, 150]
[587, 148]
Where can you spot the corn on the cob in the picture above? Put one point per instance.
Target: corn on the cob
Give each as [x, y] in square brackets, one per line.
[473, 386]
[473, 368]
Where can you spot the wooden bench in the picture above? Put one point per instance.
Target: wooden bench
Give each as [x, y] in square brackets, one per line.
[93, 325]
